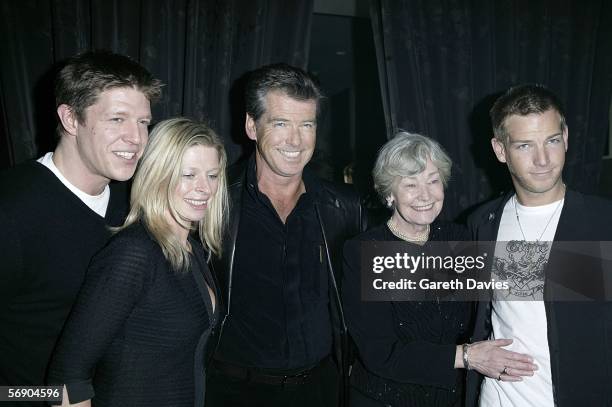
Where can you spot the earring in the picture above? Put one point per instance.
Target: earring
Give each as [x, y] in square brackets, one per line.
[389, 203]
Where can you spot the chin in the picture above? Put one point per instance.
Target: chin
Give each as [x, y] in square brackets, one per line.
[424, 220]
[540, 188]
[121, 175]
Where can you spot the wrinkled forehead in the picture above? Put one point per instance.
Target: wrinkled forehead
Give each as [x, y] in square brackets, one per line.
[281, 99]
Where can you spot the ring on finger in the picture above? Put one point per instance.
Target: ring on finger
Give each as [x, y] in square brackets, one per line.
[499, 377]
[505, 370]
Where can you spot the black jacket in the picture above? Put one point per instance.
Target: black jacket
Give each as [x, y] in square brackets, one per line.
[340, 217]
[579, 333]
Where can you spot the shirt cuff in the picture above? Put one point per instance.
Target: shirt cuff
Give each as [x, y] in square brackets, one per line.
[80, 391]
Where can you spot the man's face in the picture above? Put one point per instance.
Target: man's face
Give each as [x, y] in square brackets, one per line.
[535, 154]
[114, 133]
[285, 135]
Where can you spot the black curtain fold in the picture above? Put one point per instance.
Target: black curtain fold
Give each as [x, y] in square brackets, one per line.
[200, 49]
[445, 61]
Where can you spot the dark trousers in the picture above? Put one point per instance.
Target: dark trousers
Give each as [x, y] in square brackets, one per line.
[319, 390]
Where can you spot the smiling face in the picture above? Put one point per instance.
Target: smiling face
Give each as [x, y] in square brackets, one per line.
[113, 136]
[535, 155]
[417, 200]
[197, 184]
[285, 136]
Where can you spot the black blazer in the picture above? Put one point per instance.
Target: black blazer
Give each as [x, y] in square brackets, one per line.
[579, 333]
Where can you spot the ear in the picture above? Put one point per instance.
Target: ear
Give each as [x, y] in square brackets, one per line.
[250, 128]
[68, 119]
[565, 138]
[499, 149]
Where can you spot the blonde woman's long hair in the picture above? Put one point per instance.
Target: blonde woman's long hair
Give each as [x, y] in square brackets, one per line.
[156, 179]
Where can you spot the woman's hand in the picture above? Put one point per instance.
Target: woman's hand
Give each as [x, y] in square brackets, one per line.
[490, 359]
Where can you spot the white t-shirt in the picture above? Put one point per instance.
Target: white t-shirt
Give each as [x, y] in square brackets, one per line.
[97, 203]
[521, 261]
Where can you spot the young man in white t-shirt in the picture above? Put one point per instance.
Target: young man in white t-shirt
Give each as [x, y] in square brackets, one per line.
[55, 211]
[566, 340]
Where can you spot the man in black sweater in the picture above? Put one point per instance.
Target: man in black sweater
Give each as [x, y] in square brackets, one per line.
[55, 212]
[283, 339]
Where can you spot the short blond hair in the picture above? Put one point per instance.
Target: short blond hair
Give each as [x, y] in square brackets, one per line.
[156, 178]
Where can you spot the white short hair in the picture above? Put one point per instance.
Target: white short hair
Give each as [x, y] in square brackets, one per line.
[406, 155]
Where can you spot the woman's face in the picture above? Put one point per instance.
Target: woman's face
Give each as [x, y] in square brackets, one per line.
[198, 182]
[418, 199]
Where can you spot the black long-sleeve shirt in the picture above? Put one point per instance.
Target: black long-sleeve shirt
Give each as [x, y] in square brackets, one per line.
[406, 349]
[280, 315]
[138, 333]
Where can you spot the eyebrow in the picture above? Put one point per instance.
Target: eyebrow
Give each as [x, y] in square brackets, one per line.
[117, 112]
[435, 172]
[531, 140]
[196, 168]
[280, 119]
[122, 112]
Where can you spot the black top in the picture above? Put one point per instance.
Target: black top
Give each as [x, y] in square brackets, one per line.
[406, 349]
[280, 316]
[48, 238]
[138, 332]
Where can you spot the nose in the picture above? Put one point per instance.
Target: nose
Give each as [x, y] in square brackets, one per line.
[136, 133]
[202, 185]
[294, 136]
[541, 157]
[424, 193]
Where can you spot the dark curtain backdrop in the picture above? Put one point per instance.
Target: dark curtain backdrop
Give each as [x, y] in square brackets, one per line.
[443, 62]
[199, 48]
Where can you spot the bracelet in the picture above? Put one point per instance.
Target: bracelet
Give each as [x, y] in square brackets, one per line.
[466, 362]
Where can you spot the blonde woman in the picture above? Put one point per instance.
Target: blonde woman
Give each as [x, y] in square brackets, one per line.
[138, 333]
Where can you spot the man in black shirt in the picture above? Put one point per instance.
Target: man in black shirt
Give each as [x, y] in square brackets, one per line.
[283, 339]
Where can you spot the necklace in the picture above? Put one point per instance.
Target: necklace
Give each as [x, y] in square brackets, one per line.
[518, 220]
[419, 238]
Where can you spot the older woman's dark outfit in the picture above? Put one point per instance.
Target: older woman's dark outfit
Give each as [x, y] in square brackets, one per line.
[138, 333]
[406, 350]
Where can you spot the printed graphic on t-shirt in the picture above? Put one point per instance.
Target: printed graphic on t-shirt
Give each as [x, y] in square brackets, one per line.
[522, 264]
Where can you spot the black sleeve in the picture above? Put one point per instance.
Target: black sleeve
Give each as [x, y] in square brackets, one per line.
[11, 266]
[115, 281]
[373, 328]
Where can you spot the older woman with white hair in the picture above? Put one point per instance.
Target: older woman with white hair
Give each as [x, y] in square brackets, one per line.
[412, 353]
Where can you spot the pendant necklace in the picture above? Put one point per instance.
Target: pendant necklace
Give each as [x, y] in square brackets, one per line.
[518, 220]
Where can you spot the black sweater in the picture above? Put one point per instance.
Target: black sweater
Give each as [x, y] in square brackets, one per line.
[138, 331]
[406, 350]
[48, 238]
